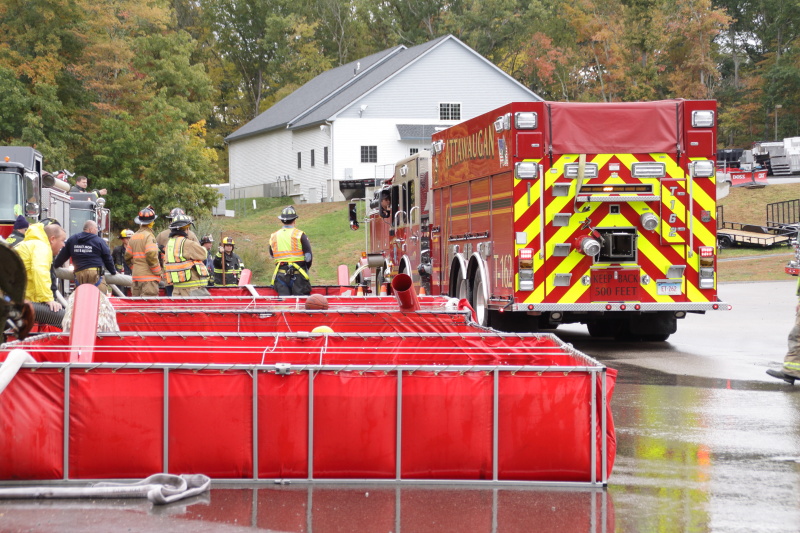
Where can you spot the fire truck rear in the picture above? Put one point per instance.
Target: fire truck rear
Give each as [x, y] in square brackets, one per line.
[542, 213]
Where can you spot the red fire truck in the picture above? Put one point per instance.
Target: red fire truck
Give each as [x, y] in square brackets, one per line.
[542, 213]
[26, 189]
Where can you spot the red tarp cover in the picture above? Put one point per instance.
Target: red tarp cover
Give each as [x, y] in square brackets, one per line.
[283, 426]
[211, 423]
[113, 415]
[32, 426]
[621, 127]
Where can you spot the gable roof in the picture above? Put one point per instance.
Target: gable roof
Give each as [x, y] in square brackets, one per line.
[330, 92]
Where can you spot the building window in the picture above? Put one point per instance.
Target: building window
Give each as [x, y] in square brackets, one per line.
[325, 155]
[312, 158]
[413, 151]
[299, 160]
[369, 154]
[449, 111]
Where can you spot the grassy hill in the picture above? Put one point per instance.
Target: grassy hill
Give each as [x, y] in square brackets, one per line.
[334, 243]
[326, 225]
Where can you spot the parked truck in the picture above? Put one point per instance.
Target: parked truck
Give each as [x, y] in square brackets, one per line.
[27, 189]
[543, 213]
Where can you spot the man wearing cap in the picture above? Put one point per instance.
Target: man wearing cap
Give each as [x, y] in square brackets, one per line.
[16, 236]
[141, 255]
[89, 253]
[185, 260]
[291, 250]
[118, 255]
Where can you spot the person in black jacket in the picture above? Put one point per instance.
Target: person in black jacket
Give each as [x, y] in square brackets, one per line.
[89, 255]
[227, 264]
[118, 255]
[18, 235]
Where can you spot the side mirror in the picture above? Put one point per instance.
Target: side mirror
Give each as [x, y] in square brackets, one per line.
[31, 209]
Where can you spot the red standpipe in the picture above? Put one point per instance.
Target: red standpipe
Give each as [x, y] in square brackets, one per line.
[85, 315]
[403, 289]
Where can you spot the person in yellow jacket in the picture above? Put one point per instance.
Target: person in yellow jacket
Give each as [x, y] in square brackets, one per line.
[37, 250]
[185, 260]
[291, 250]
[141, 255]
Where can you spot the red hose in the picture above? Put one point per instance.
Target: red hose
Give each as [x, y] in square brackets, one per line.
[403, 289]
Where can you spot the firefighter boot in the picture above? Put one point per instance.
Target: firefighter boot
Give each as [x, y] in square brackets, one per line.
[781, 375]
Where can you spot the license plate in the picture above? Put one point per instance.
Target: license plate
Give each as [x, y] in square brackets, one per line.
[615, 285]
[669, 288]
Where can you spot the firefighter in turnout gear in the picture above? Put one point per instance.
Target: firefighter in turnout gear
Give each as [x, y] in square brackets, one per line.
[163, 237]
[291, 250]
[227, 269]
[141, 255]
[119, 252]
[184, 260]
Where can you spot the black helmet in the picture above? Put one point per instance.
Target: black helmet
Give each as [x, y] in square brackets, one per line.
[175, 212]
[288, 214]
[180, 221]
[206, 238]
[146, 216]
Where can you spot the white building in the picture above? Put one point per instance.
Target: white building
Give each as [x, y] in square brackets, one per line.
[357, 120]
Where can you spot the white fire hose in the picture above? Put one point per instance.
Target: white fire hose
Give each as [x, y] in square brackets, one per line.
[158, 488]
[11, 366]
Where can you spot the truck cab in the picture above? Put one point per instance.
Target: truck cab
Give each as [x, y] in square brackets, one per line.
[20, 186]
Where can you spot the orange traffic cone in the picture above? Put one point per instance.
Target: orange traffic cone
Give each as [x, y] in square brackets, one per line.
[360, 291]
[384, 289]
[422, 291]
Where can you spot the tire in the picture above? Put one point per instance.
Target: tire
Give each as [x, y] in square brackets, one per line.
[479, 303]
[462, 289]
[724, 241]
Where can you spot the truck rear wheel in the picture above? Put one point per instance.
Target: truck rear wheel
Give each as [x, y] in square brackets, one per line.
[479, 303]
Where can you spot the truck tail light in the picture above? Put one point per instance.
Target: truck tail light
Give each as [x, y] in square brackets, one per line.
[706, 272]
[526, 269]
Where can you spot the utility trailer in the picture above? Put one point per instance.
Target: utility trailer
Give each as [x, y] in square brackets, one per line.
[731, 234]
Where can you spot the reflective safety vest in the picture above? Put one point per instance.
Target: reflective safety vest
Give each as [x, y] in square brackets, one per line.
[287, 247]
[183, 272]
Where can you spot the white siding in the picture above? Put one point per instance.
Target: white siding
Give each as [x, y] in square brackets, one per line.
[449, 74]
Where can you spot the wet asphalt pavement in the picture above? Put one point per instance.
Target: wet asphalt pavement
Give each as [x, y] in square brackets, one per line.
[706, 442]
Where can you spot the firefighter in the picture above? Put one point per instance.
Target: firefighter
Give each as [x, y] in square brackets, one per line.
[290, 248]
[185, 260]
[119, 252]
[89, 253]
[163, 237]
[20, 227]
[791, 361]
[141, 255]
[207, 242]
[227, 265]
